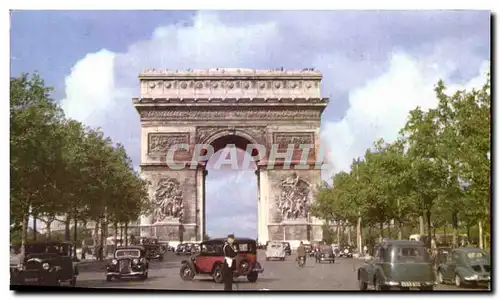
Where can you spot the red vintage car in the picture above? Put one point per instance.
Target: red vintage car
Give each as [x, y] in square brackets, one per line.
[211, 257]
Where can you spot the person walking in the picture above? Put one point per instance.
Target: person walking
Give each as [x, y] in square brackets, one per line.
[230, 254]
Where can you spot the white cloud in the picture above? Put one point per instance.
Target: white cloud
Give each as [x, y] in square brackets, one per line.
[381, 87]
[90, 88]
[379, 109]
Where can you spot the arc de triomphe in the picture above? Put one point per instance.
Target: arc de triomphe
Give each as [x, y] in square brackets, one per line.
[218, 107]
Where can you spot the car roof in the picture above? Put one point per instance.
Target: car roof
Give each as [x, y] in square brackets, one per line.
[134, 247]
[223, 240]
[401, 243]
[468, 249]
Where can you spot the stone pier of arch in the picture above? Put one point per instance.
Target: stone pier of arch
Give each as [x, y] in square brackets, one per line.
[203, 106]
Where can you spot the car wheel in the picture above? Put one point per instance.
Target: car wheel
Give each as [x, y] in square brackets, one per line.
[379, 286]
[160, 258]
[363, 286]
[73, 282]
[186, 273]
[252, 277]
[427, 288]
[267, 258]
[440, 277]
[458, 281]
[217, 274]
[144, 276]
[109, 278]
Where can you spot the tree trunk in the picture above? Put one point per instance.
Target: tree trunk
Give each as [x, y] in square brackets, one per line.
[96, 233]
[126, 234]
[429, 229]
[389, 229]
[103, 239]
[454, 228]
[115, 225]
[121, 232]
[381, 232]
[75, 235]
[349, 234]
[67, 234]
[400, 230]
[421, 222]
[24, 236]
[49, 230]
[338, 232]
[34, 227]
[359, 235]
[481, 234]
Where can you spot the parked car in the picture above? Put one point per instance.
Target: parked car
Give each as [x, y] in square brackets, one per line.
[211, 257]
[308, 249]
[182, 250]
[129, 261]
[347, 251]
[398, 264]
[47, 264]
[465, 266]
[276, 250]
[288, 249]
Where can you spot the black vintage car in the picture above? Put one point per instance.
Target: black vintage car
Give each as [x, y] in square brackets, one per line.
[154, 249]
[47, 264]
[183, 249]
[464, 266]
[398, 264]
[128, 262]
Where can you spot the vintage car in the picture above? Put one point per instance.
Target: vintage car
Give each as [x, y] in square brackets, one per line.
[128, 261]
[47, 264]
[183, 249]
[398, 264]
[211, 257]
[308, 249]
[154, 249]
[465, 266]
[275, 250]
[324, 254]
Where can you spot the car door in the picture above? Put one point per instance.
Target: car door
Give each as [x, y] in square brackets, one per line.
[370, 266]
[451, 264]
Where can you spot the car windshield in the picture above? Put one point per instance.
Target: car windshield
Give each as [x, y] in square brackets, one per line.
[409, 253]
[276, 246]
[128, 253]
[476, 255]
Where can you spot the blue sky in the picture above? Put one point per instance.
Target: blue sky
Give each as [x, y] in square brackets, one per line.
[376, 65]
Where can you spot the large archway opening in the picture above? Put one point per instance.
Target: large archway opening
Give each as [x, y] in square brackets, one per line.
[231, 189]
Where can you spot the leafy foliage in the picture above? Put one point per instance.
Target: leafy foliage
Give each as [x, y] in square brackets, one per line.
[439, 168]
[60, 167]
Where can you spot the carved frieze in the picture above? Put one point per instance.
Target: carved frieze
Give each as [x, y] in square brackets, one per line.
[168, 200]
[283, 139]
[232, 113]
[294, 198]
[162, 142]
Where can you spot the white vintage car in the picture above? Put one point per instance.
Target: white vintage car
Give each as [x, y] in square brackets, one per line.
[275, 250]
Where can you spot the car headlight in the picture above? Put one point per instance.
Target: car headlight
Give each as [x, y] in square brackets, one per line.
[45, 266]
[135, 261]
[473, 277]
[114, 262]
[20, 267]
[143, 260]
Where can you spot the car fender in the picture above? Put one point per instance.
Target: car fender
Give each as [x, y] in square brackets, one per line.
[362, 274]
[190, 264]
[463, 272]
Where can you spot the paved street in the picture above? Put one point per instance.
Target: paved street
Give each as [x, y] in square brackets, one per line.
[278, 275]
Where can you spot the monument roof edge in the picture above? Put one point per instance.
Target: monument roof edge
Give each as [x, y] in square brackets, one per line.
[226, 72]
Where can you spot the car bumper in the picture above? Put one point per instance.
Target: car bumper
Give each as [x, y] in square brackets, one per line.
[409, 284]
[135, 273]
[326, 258]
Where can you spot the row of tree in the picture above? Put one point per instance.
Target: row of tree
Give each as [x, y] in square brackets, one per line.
[436, 173]
[59, 167]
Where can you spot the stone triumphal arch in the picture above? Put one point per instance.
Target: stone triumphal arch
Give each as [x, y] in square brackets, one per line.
[218, 107]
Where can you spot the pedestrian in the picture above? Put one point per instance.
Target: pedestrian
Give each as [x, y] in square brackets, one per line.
[230, 253]
[85, 249]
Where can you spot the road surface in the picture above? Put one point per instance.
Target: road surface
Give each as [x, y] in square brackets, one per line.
[278, 275]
